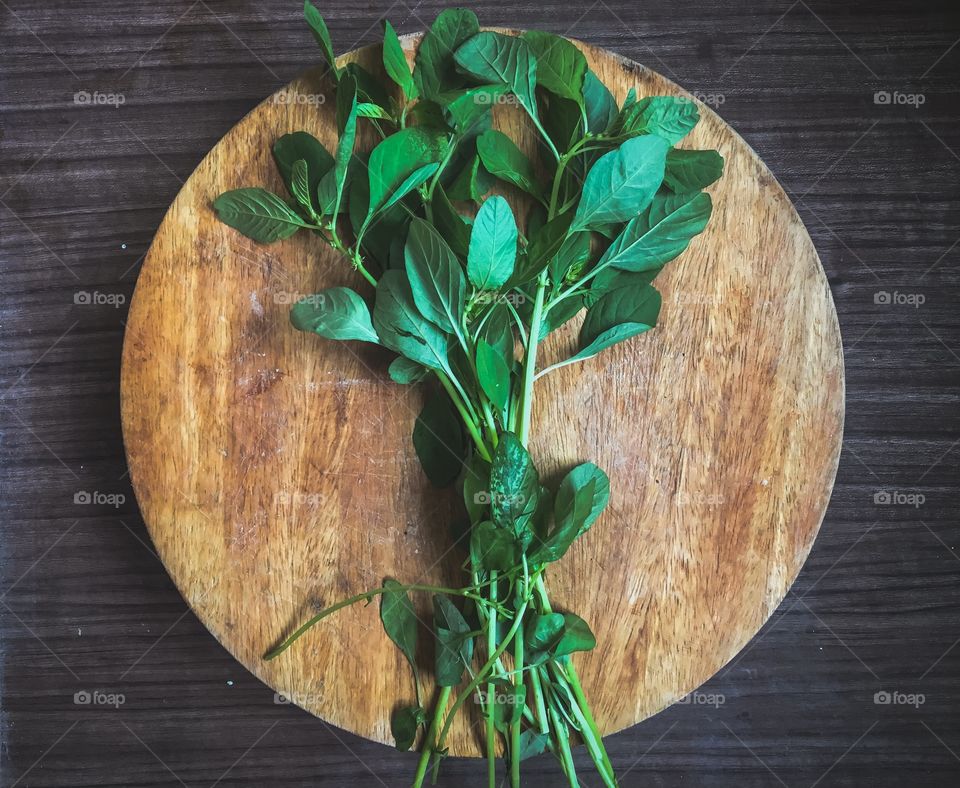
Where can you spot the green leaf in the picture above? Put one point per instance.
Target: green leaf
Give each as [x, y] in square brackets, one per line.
[291, 148]
[508, 704]
[454, 650]
[401, 327]
[476, 487]
[506, 161]
[395, 62]
[561, 67]
[616, 316]
[498, 58]
[563, 120]
[514, 487]
[438, 439]
[319, 29]
[576, 480]
[327, 194]
[368, 109]
[580, 499]
[399, 620]
[555, 635]
[670, 117]
[404, 371]
[659, 234]
[300, 188]
[370, 89]
[493, 374]
[622, 183]
[404, 723]
[600, 105]
[498, 332]
[348, 88]
[576, 636]
[436, 278]
[258, 214]
[397, 163]
[544, 244]
[611, 278]
[568, 520]
[492, 548]
[493, 245]
[413, 181]
[570, 257]
[463, 109]
[450, 224]
[495, 355]
[542, 632]
[561, 313]
[336, 313]
[532, 743]
[692, 170]
[434, 71]
[472, 182]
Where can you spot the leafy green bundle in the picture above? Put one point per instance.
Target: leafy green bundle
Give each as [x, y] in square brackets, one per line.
[465, 299]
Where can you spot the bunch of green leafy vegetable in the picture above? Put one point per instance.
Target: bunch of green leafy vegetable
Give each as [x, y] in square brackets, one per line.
[465, 298]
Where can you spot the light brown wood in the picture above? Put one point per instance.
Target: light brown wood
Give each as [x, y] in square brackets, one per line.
[276, 475]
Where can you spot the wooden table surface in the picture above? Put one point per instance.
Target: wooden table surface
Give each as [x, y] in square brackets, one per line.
[107, 107]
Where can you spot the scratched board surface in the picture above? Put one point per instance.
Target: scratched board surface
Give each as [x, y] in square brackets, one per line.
[88, 607]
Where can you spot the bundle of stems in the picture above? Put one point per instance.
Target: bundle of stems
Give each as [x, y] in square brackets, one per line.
[466, 300]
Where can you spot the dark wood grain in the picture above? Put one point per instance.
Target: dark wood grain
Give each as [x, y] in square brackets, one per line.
[86, 605]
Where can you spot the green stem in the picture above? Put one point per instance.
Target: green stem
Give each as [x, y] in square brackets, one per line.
[543, 721]
[546, 137]
[468, 420]
[530, 360]
[491, 689]
[431, 736]
[484, 671]
[573, 680]
[365, 597]
[490, 423]
[451, 147]
[563, 744]
[515, 728]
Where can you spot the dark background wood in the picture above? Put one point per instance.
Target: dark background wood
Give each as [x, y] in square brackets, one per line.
[84, 603]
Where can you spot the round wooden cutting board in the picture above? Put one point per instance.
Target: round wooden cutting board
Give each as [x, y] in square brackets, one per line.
[276, 474]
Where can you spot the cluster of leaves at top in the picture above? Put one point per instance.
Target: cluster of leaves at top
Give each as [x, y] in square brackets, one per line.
[464, 297]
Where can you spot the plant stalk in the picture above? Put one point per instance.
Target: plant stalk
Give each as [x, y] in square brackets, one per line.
[431, 737]
[491, 689]
[530, 360]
